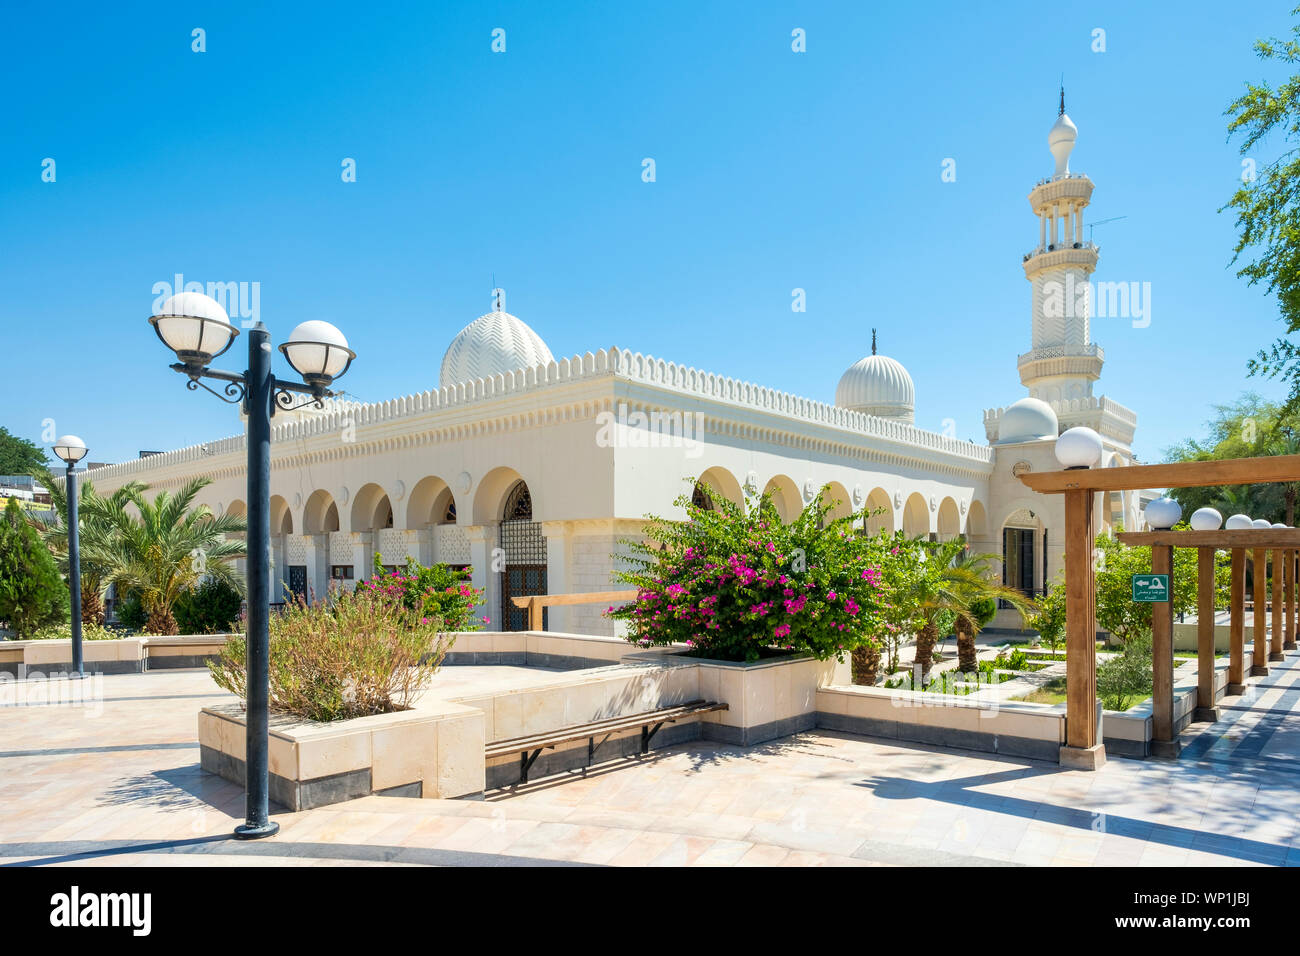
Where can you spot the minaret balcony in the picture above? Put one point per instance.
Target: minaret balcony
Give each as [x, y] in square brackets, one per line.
[1083, 255]
[1054, 361]
[1072, 187]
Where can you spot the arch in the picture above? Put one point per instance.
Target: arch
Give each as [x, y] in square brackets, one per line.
[949, 519]
[916, 516]
[429, 502]
[321, 514]
[723, 483]
[490, 496]
[977, 522]
[236, 508]
[371, 509]
[875, 523]
[837, 497]
[785, 496]
[281, 516]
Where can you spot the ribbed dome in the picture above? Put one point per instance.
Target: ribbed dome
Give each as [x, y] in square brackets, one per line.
[491, 345]
[1029, 419]
[878, 385]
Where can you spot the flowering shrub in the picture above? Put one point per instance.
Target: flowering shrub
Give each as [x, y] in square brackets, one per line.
[737, 584]
[364, 653]
[437, 592]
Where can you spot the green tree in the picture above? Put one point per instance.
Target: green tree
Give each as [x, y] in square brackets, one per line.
[18, 456]
[980, 593]
[93, 530]
[1126, 678]
[165, 548]
[1267, 205]
[1049, 620]
[32, 594]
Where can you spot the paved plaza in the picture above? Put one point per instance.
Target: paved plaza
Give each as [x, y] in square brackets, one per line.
[118, 783]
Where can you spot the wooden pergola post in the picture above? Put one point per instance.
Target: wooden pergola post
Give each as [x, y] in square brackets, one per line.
[1163, 741]
[1288, 643]
[1237, 625]
[1205, 591]
[1275, 642]
[1259, 572]
[1083, 748]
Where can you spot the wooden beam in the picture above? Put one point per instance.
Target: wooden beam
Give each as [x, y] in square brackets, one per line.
[1162, 659]
[585, 597]
[1083, 749]
[1259, 575]
[1183, 474]
[1237, 624]
[1261, 538]
[1205, 709]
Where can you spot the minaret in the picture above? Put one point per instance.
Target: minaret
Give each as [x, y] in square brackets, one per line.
[1063, 362]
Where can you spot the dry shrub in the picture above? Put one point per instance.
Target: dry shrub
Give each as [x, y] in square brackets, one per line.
[361, 654]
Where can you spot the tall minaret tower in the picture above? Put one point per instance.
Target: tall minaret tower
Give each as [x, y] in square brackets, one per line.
[1063, 362]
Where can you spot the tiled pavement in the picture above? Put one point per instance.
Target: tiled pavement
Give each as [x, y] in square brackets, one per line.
[122, 787]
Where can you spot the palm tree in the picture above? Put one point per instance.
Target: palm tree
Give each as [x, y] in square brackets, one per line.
[165, 550]
[937, 592]
[973, 578]
[92, 531]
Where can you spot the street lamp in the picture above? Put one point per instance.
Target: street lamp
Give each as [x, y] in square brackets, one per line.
[198, 329]
[72, 449]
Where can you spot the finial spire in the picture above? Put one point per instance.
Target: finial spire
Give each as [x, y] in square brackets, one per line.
[873, 341]
[1061, 111]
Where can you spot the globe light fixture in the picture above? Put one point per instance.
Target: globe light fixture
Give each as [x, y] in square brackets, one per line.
[1078, 447]
[1280, 526]
[1205, 519]
[318, 352]
[1238, 523]
[72, 449]
[195, 327]
[1162, 514]
[1261, 524]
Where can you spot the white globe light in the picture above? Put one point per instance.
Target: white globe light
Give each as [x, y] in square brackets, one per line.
[318, 352]
[1206, 519]
[194, 326]
[1163, 513]
[70, 448]
[1078, 447]
[1280, 525]
[1261, 524]
[1239, 523]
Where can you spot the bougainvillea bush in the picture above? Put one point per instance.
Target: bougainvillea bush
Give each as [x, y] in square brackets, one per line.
[737, 583]
[437, 591]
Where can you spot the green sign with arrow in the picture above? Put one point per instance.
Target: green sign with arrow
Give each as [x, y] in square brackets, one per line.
[1150, 588]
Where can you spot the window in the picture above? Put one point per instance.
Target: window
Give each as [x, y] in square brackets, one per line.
[341, 572]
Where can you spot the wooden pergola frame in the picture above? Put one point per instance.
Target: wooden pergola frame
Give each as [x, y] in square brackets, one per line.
[1083, 748]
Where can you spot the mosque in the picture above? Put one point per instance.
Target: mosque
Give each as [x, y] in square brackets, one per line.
[533, 469]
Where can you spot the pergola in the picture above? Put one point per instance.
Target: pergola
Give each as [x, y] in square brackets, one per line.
[1084, 748]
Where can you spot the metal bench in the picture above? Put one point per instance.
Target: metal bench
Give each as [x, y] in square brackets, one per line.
[531, 746]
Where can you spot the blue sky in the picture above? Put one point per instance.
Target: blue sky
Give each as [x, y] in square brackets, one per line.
[774, 171]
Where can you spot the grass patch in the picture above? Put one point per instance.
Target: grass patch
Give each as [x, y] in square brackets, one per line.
[1053, 692]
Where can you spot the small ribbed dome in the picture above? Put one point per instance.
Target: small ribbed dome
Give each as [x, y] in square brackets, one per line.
[491, 345]
[878, 385]
[1029, 419]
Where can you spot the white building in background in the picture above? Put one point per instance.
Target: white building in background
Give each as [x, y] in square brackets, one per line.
[533, 469]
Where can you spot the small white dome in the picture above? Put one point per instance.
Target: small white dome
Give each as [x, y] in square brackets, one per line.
[1030, 419]
[878, 385]
[491, 345]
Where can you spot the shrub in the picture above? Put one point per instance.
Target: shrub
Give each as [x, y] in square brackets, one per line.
[363, 654]
[211, 607]
[130, 612]
[1049, 622]
[1126, 678]
[90, 631]
[436, 591]
[984, 610]
[32, 592]
[734, 582]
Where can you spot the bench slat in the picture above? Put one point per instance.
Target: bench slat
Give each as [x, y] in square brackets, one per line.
[565, 735]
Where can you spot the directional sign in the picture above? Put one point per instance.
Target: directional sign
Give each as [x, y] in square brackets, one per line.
[1150, 588]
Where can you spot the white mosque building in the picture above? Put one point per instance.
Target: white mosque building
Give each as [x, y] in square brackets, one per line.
[532, 469]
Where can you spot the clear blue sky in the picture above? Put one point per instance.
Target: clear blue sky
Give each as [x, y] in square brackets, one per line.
[775, 170]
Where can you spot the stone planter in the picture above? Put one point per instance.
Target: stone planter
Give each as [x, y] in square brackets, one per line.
[435, 751]
[766, 699]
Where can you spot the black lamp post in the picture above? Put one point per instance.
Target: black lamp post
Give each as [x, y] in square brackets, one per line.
[72, 449]
[197, 329]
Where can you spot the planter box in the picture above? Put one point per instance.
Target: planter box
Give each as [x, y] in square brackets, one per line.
[766, 699]
[435, 751]
[184, 650]
[121, 656]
